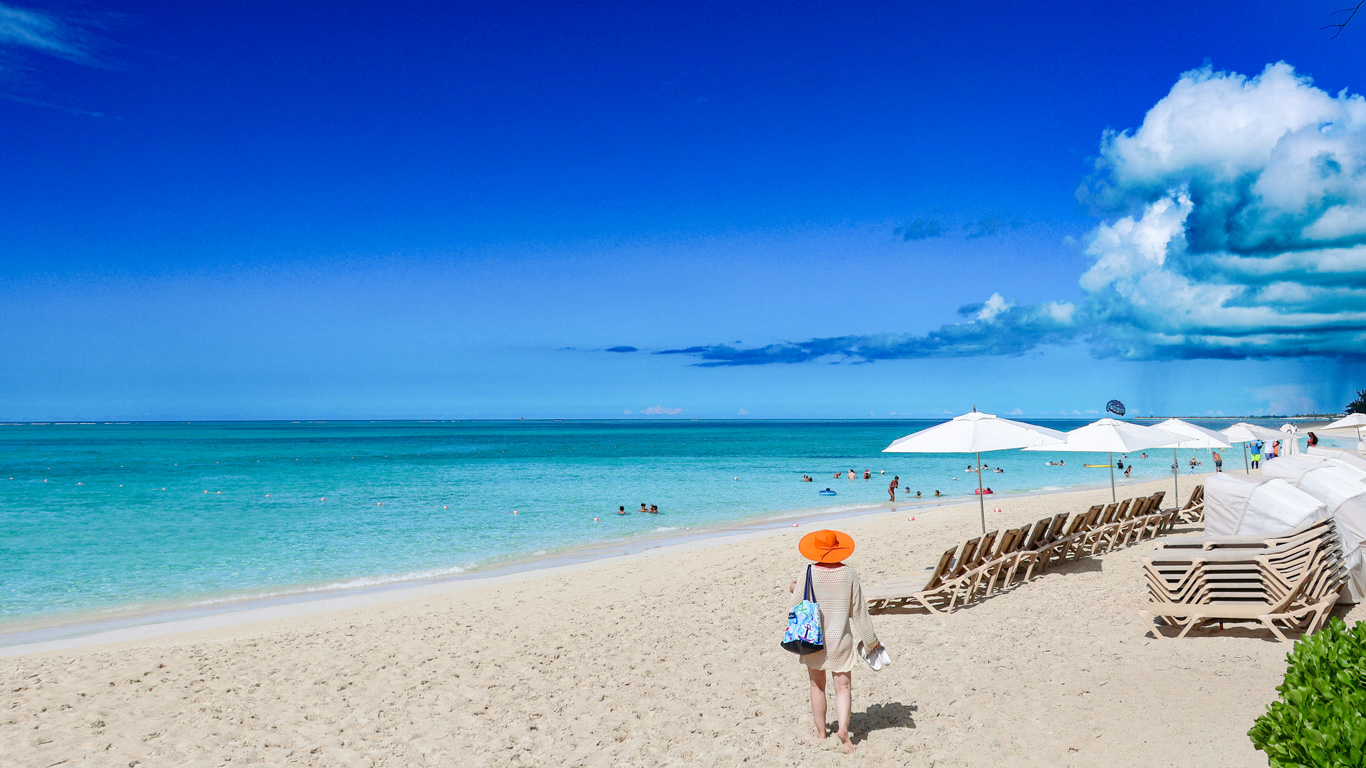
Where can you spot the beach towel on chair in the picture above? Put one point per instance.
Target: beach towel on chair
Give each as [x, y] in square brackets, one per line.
[803, 633]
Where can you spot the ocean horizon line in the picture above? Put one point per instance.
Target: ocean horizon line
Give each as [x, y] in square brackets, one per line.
[650, 419]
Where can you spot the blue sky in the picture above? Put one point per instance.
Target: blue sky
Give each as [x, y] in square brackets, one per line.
[453, 210]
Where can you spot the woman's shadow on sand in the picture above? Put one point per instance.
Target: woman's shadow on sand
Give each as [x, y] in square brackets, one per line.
[880, 717]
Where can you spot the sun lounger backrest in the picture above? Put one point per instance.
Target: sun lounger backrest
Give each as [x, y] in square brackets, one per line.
[1157, 501]
[1055, 530]
[1135, 508]
[1010, 541]
[966, 556]
[1079, 521]
[1139, 508]
[945, 561]
[985, 551]
[1144, 506]
[1197, 496]
[1038, 534]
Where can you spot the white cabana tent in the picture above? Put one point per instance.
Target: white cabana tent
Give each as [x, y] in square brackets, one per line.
[1245, 433]
[1340, 456]
[1111, 436]
[1192, 436]
[1257, 506]
[1343, 489]
[975, 433]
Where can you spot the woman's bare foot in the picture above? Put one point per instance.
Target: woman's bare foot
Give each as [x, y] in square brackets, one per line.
[846, 742]
[819, 734]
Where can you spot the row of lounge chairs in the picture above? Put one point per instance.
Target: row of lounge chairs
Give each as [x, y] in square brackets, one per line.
[987, 563]
[1289, 581]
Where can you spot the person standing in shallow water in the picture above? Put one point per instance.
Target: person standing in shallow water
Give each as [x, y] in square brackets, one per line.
[891, 489]
[844, 620]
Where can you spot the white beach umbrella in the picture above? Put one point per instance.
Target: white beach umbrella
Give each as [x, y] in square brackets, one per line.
[975, 433]
[1192, 437]
[1111, 436]
[1352, 423]
[1245, 433]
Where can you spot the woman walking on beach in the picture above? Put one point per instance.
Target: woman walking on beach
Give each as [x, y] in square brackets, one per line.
[844, 619]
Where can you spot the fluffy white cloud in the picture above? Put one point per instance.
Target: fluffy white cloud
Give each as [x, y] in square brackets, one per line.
[1251, 239]
[1235, 227]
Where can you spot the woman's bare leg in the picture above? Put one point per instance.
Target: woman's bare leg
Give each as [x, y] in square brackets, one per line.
[844, 702]
[818, 701]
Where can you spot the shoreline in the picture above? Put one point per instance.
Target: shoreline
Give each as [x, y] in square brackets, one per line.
[303, 600]
[582, 665]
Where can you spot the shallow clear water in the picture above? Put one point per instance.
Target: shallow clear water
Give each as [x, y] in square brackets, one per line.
[112, 516]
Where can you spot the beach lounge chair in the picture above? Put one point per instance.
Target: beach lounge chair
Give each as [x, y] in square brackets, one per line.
[1241, 542]
[929, 591]
[1003, 563]
[1194, 509]
[1062, 546]
[1044, 548]
[1293, 583]
[1284, 610]
[1144, 523]
[1094, 534]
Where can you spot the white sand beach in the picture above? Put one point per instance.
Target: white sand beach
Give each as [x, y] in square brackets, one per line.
[670, 659]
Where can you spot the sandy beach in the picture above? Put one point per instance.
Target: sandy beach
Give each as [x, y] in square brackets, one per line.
[667, 658]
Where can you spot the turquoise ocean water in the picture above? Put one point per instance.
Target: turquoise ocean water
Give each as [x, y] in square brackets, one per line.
[102, 518]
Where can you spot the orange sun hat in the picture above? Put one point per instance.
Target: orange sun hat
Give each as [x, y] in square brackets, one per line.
[826, 546]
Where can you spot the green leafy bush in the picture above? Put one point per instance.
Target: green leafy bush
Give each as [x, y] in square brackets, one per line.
[1320, 719]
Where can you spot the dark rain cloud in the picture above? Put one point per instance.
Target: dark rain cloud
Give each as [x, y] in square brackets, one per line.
[622, 349]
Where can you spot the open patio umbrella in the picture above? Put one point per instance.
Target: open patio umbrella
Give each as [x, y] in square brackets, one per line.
[1351, 423]
[1192, 437]
[975, 433]
[1245, 433]
[1112, 436]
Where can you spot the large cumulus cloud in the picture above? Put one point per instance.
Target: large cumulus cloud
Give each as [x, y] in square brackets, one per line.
[1234, 227]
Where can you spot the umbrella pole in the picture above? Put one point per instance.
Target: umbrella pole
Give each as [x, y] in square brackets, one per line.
[1111, 454]
[1246, 467]
[1176, 476]
[981, 500]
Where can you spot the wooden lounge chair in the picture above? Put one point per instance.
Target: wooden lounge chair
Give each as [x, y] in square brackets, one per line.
[1294, 583]
[1242, 542]
[929, 591]
[1283, 610]
[1194, 509]
[1003, 564]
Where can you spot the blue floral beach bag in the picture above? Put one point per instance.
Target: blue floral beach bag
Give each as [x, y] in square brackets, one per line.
[803, 633]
